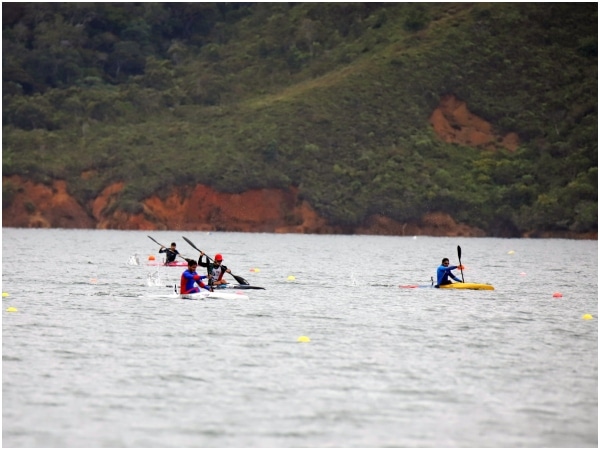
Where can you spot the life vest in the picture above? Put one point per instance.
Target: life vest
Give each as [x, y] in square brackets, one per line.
[217, 272]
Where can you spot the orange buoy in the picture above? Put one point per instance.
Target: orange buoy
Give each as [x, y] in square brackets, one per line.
[557, 295]
[151, 258]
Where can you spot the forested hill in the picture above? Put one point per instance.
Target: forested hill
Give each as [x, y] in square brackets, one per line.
[333, 99]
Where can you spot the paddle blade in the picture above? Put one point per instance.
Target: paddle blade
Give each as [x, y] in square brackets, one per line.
[460, 263]
[156, 241]
[239, 279]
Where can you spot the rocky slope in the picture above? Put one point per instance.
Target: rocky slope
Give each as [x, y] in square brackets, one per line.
[267, 210]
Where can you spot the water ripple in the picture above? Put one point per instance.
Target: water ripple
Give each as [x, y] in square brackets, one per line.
[99, 358]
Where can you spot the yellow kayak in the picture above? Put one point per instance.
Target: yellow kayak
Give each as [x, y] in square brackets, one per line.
[477, 286]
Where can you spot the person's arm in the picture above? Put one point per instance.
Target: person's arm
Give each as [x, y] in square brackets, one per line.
[200, 263]
[162, 250]
[199, 279]
[455, 278]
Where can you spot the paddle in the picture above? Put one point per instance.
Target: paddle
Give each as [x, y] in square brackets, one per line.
[237, 278]
[460, 263]
[165, 247]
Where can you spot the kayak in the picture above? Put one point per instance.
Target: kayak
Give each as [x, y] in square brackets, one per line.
[209, 295]
[472, 286]
[475, 286]
[171, 264]
[236, 286]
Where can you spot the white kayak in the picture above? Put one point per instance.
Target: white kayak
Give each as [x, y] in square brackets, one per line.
[209, 295]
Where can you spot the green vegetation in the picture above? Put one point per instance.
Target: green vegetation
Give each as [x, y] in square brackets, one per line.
[333, 98]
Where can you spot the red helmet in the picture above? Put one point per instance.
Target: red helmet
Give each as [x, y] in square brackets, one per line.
[218, 257]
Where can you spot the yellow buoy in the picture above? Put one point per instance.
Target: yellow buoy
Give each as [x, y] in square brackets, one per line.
[5, 294]
[255, 270]
[511, 252]
[291, 278]
[303, 339]
[587, 317]
[11, 309]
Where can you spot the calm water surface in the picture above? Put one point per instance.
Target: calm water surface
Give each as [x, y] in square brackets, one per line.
[99, 354]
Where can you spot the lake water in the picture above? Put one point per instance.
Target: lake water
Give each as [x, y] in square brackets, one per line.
[95, 356]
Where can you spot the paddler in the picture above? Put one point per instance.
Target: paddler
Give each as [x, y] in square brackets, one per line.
[215, 270]
[171, 253]
[190, 280]
[444, 273]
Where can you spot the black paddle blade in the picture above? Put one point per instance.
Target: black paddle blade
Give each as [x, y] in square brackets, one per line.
[460, 263]
[156, 241]
[240, 279]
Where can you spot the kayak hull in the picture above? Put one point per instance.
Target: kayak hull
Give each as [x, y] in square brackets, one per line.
[173, 264]
[475, 286]
[472, 286]
[236, 286]
[214, 295]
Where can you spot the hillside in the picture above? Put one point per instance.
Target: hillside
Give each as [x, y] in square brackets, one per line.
[359, 113]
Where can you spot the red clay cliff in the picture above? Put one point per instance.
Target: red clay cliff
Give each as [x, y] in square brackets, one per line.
[264, 210]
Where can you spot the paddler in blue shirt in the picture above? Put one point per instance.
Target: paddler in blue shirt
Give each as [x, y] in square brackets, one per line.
[189, 279]
[444, 273]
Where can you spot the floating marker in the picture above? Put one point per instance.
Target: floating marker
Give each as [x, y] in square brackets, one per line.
[511, 252]
[5, 294]
[587, 317]
[522, 274]
[291, 278]
[151, 258]
[11, 309]
[303, 339]
[94, 280]
[557, 295]
[254, 270]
